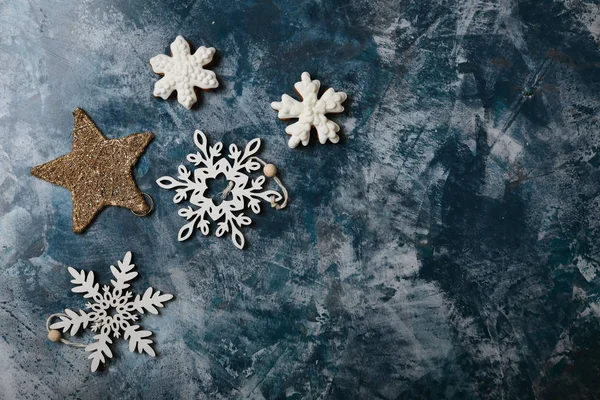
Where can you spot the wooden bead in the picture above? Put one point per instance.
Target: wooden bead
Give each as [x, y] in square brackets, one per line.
[270, 170]
[54, 335]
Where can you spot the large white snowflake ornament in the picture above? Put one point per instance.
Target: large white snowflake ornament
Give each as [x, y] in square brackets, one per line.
[241, 192]
[183, 71]
[310, 112]
[113, 311]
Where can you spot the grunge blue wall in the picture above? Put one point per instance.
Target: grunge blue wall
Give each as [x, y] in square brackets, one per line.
[447, 247]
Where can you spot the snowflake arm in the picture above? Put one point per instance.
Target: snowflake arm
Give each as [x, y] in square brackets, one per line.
[204, 56]
[186, 95]
[207, 153]
[233, 223]
[72, 321]
[122, 275]
[327, 130]
[207, 79]
[288, 107]
[136, 339]
[84, 284]
[256, 191]
[332, 101]
[180, 48]
[183, 71]
[98, 350]
[307, 87]
[196, 216]
[160, 63]
[163, 87]
[299, 132]
[310, 112]
[150, 301]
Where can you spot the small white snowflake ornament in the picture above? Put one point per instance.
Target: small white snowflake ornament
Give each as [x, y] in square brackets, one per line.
[183, 71]
[310, 112]
[113, 311]
[242, 191]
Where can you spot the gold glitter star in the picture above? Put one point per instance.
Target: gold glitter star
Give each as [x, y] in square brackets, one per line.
[98, 171]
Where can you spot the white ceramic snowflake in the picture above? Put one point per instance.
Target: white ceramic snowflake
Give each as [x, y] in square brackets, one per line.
[113, 311]
[182, 71]
[209, 164]
[310, 112]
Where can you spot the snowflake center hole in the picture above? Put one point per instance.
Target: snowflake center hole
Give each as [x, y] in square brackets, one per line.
[111, 312]
[216, 189]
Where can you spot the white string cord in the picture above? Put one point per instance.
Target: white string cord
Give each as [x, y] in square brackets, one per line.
[227, 190]
[63, 340]
[274, 204]
[285, 195]
[283, 189]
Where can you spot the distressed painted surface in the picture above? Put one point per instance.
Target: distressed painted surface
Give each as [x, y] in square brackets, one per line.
[446, 248]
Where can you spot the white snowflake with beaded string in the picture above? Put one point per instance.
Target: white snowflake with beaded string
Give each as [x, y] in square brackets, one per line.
[183, 71]
[113, 312]
[310, 112]
[241, 192]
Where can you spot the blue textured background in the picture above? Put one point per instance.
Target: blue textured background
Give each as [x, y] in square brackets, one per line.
[446, 248]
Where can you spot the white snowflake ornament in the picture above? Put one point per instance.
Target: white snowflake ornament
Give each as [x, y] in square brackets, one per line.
[310, 112]
[183, 71]
[113, 312]
[241, 192]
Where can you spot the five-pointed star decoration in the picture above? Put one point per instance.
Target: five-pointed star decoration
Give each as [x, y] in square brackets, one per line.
[98, 171]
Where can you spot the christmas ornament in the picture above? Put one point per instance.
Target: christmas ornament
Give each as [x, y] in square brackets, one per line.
[310, 112]
[98, 171]
[182, 71]
[240, 193]
[113, 312]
